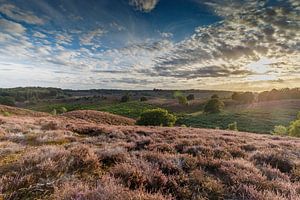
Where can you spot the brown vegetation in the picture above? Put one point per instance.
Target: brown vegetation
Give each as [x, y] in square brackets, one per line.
[56, 157]
[99, 117]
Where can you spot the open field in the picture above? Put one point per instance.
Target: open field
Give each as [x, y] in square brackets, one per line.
[59, 157]
[256, 117]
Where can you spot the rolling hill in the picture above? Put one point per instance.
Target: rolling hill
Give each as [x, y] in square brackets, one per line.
[78, 156]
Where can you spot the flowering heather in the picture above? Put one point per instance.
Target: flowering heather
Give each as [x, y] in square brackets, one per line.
[55, 157]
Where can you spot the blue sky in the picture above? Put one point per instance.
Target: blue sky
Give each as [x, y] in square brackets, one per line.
[142, 44]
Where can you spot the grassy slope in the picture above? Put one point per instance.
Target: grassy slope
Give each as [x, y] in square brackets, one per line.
[258, 118]
[45, 158]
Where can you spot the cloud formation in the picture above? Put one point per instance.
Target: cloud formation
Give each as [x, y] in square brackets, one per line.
[144, 5]
[19, 15]
[253, 42]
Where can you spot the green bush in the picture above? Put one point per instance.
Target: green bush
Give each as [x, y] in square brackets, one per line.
[63, 110]
[54, 112]
[233, 126]
[182, 100]
[280, 130]
[214, 105]
[294, 128]
[157, 117]
[8, 101]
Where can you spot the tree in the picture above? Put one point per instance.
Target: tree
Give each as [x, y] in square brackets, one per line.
[215, 96]
[214, 105]
[190, 97]
[157, 117]
[182, 100]
[294, 128]
[143, 99]
[125, 98]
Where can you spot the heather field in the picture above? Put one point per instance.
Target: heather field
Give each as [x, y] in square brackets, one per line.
[75, 157]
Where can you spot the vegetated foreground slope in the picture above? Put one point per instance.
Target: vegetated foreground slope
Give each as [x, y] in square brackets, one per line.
[99, 117]
[55, 157]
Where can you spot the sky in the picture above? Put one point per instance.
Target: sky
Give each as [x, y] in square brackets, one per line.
[146, 44]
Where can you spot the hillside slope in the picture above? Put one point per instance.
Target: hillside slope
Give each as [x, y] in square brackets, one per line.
[99, 117]
[55, 157]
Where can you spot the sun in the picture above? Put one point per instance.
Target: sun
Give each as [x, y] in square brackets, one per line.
[261, 66]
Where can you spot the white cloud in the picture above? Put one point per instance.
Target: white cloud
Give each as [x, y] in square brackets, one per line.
[19, 15]
[11, 27]
[144, 5]
[87, 38]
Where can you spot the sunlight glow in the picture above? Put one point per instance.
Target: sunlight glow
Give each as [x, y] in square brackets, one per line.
[260, 66]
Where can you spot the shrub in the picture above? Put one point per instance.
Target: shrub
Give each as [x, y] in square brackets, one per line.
[294, 128]
[125, 98]
[280, 130]
[214, 105]
[54, 112]
[63, 110]
[143, 99]
[182, 100]
[190, 97]
[233, 126]
[157, 117]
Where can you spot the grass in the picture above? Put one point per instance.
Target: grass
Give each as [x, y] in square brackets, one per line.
[132, 109]
[249, 120]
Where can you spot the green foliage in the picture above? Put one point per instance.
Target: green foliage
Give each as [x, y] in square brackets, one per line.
[233, 126]
[294, 128]
[21, 94]
[143, 99]
[253, 120]
[8, 101]
[63, 110]
[214, 105]
[54, 112]
[298, 115]
[280, 130]
[157, 117]
[182, 100]
[125, 98]
[190, 97]
[6, 114]
[132, 109]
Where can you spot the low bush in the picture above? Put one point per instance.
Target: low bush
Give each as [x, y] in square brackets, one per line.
[233, 126]
[280, 130]
[157, 117]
